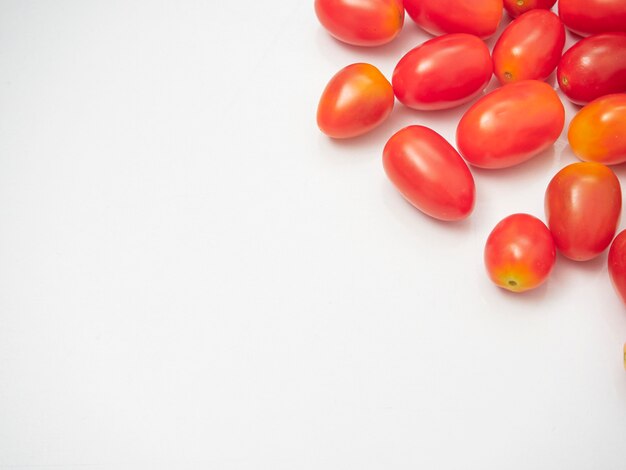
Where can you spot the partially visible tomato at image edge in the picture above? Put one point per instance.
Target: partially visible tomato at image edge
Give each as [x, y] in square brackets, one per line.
[617, 265]
[517, 7]
[585, 17]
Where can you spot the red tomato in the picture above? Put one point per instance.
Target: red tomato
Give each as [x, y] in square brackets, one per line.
[529, 48]
[510, 125]
[443, 72]
[518, 7]
[356, 100]
[617, 268]
[519, 253]
[480, 18]
[598, 132]
[583, 205]
[593, 16]
[594, 67]
[361, 22]
[429, 173]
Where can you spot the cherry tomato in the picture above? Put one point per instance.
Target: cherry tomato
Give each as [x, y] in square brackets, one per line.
[429, 173]
[617, 267]
[443, 72]
[598, 132]
[356, 100]
[361, 22]
[517, 7]
[510, 125]
[529, 48]
[519, 253]
[480, 18]
[594, 67]
[583, 204]
[586, 17]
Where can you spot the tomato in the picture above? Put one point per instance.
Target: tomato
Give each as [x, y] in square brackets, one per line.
[583, 204]
[517, 7]
[443, 72]
[519, 253]
[617, 266]
[361, 22]
[356, 100]
[480, 18]
[598, 132]
[529, 48]
[429, 173]
[586, 17]
[510, 125]
[593, 67]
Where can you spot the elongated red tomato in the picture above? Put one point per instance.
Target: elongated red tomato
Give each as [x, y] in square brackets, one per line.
[361, 22]
[583, 204]
[519, 7]
[356, 100]
[519, 253]
[510, 125]
[429, 173]
[443, 72]
[598, 132]
[617, 268]
[529, 48]
[478, 17]
[586, 17]
[594, 67]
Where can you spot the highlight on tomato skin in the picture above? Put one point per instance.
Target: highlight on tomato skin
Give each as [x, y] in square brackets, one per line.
[586, 17]
[510, 125]
[443, 72]
[529, 48]
[429, 173]
[516, 8]
[583, 204]
[617, 266]
[456, 16]
[361, 23]
[593, 67]
[355, 101]
[519, 253]
[597, 133]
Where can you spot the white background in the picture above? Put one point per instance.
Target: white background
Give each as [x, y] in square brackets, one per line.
[193, 276]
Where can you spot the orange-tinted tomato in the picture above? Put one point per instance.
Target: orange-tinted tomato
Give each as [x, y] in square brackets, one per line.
[518, 7]
[529, 48]
[594, 67]
[443, 72]
[519, 253]
[429, 173]
[361, 22]
[593, 16]
[480, 18]
[583, 204]
[510, 125]
[356, 100]
[598, 132]
[617, 268]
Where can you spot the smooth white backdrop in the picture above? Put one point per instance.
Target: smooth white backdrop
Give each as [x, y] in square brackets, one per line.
[193, 277]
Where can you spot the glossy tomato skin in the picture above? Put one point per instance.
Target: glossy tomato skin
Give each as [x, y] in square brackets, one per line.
[429, 173]
[361, 23]
[443, 72]
[516, 8]
[583, 204]
[356, 100]
[586, 17]
[456, 16]
[617, 267]
[529, 48]
[510, 125]
[598, 132]
[519, 253]
[594, 67]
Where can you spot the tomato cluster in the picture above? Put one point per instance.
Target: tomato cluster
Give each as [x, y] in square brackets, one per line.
[503, 128]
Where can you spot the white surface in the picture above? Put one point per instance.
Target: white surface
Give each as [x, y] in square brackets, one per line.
[192, 276]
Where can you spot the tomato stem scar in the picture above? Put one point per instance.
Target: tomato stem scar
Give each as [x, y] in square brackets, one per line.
[508, 75]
